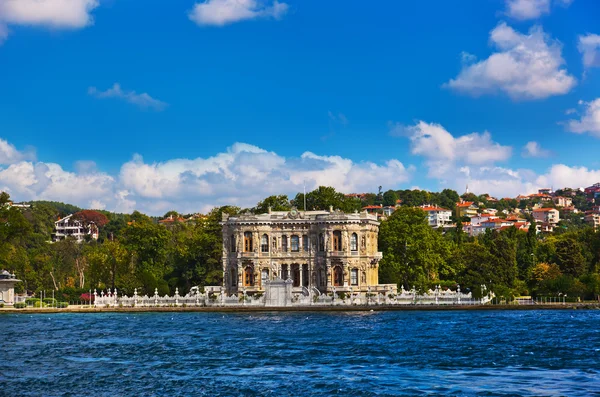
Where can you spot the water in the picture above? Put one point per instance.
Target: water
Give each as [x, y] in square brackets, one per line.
[487, 353]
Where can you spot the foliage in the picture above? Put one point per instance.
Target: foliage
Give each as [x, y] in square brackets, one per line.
[91, 216]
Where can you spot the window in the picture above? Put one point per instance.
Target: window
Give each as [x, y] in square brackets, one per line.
[338, 276]
[248, 242]
[264, 243]
[354, 242]
[284, 244]
[264, 276]
[321, 242]
[248, 277]
[232, 243]
[354, 277]
[337, 240]
[295, 244]
[305, 242]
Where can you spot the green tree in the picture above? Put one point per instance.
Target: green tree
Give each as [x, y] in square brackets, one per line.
[413, 253]
[276, 203]
[569, 257]
[389, 198]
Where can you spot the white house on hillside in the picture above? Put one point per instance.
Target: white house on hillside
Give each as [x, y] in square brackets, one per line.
[437, 216]
[69, 227]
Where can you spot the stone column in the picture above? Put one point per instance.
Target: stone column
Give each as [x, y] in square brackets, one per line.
[300, 274]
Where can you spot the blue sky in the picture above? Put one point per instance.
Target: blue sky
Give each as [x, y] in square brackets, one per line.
[156, 105]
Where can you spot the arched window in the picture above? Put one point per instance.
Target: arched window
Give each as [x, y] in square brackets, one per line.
[305, 242]
[337, 240]
[354, 277]
[322, 278]
[354, 242]
[264, 243]
[321, 242]
[295, 243]
[284, 244]
[232, 243]
[248, 241]
[248, 277]
[338, 276]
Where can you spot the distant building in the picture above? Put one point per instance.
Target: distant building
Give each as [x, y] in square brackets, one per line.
[466, 208]
[545, 191]
[18, 205]
[546, 215]
[593, 219]
[69, 227]
[561, 201]
[7, 287]
[437, 216]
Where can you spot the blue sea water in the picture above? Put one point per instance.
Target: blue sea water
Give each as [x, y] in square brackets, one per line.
[481, 353]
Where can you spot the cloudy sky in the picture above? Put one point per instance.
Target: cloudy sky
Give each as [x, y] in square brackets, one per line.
[188, 104]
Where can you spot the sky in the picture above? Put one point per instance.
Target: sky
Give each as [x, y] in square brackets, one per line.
[185, 105]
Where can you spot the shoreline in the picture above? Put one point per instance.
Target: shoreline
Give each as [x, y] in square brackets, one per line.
[252, 309]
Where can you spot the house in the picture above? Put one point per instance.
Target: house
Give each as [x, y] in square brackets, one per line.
[373, 209]
[544, 228]
[171, 220]
[491, 211]
[546, 215]
[437, 216]
[545, 191]
[569, 210]
[561, 201]
[593, 219]
[18, 205]
[69, 227]
[388, 210]
[466, 208]
[593, 190]
[540, 197]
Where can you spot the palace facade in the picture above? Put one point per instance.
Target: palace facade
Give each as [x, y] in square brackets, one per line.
[323, 250]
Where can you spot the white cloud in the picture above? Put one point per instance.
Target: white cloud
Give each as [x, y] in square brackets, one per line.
[531, 9]
[9, 154]
[142, 100]
[55, 14]
[534, 149]
[589, 47]
[242, 175]
[527, 9]
[223, 12]
[589, 121]
[443, 151]
[526, 66]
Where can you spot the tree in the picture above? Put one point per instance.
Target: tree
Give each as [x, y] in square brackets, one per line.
[91, 216]
[389, 198]
[413, 253]
[569, 257]
[276, 203]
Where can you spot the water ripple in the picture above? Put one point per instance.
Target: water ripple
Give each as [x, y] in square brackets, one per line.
[495, 353]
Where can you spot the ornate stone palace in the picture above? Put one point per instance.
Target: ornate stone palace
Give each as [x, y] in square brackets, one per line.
[329, 251]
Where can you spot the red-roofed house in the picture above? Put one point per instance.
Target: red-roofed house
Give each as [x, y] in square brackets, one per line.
[437, 216]
[546, 215]
[466, 208]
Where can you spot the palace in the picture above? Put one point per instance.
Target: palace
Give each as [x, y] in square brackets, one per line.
[323, 250]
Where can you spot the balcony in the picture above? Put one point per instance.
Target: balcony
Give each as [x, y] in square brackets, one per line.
[248, 255]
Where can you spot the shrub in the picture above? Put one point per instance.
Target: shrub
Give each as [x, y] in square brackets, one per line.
[31, 301]
[49, 301]
[342, 295]
[20, 305]
[1, 305]
[62, 305]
